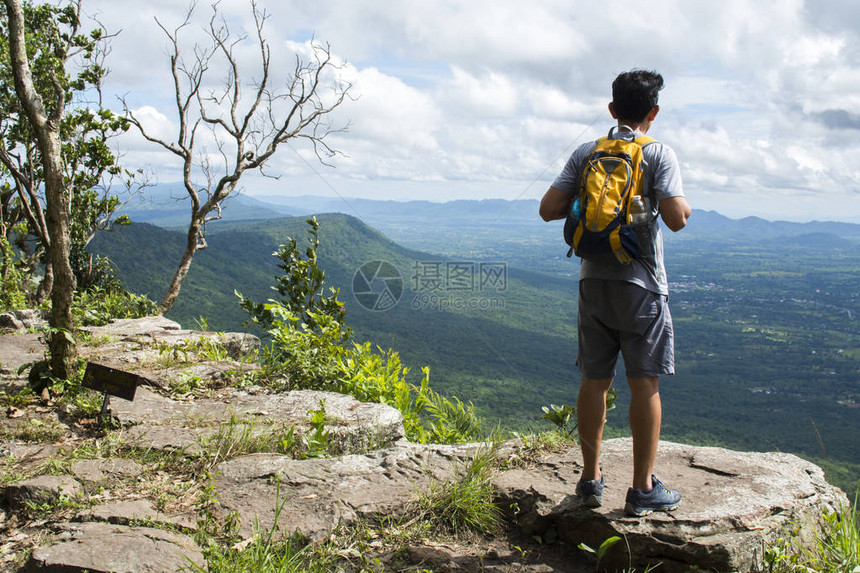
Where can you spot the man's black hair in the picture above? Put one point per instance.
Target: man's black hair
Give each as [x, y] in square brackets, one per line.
[634, 94]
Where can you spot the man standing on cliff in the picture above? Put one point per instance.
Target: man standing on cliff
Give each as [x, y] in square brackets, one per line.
[624, 307]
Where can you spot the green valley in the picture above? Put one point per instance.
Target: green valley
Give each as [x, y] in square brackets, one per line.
[766, 314]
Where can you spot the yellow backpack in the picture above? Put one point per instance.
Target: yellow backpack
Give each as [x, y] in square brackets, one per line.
[611, 177]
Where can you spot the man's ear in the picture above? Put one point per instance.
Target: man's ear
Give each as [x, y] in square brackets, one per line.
[612, 110]
[653, 113]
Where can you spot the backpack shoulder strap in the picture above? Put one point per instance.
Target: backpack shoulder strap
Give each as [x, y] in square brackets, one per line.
[644, 140]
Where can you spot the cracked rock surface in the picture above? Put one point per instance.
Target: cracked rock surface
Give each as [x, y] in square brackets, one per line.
[132, 515]
[733, 503]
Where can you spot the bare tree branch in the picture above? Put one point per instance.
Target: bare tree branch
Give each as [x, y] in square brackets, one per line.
[246, 131]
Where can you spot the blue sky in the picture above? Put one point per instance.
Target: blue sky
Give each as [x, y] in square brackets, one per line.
[476, 99]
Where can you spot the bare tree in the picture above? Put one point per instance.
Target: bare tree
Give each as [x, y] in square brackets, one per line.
[246, 130]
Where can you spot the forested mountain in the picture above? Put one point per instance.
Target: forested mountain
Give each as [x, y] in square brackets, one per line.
[766, 313]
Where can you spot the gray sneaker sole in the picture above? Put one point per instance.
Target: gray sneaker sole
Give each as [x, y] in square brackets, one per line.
[592, 501]
[643, 511]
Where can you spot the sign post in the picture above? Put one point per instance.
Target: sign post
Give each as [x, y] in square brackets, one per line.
[112, 382]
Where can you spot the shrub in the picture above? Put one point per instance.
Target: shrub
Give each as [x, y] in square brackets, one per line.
[311, 350]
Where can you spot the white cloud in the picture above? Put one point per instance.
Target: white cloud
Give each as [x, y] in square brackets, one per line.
[761, 95]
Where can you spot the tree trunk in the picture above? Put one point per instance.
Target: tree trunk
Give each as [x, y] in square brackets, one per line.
[47, 128]
[191, 245]
[62, 343]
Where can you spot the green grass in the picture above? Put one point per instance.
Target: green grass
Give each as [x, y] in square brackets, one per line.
[464, 503]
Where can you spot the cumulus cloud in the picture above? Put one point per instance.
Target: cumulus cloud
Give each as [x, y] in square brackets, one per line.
[759, 95]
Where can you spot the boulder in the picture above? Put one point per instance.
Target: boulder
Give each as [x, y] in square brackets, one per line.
[102, 547]
[734, 503]
[22, 319]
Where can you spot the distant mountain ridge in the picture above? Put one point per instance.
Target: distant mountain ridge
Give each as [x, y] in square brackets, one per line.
[166, 206]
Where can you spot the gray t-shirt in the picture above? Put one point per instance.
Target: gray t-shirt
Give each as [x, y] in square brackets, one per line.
[663, 180]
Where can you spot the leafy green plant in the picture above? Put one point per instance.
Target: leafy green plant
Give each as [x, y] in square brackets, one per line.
[17, 400]
[835, 546]
[301, 288]
[450, 421]
[99, 305]
[43, 509]
[35, 430]
[318, 441]
[561, 416]
[14, 292]
[600, 552]
[310, 351]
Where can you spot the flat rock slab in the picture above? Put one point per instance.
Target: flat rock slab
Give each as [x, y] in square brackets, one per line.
[19, 349]
[126, 512]
[100, 470]
[353, 425]
[128, 327]
[41, 489]
[163, 333]
[733, 502]
[101, 547]
[318, 494]
[28, 453]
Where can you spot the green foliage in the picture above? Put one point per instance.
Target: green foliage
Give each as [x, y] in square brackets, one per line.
[449, 420]
[835, 547]
[46, 508]
[13, 279]
[600, 553]
[561, 416]
[98, 306]
[301, 286]
[310, 350]
[239, 437]
[465, 502]
[318, 440]
[428, 417]
[67, 68]
[304, 357]
[17, 400]
[34, 430]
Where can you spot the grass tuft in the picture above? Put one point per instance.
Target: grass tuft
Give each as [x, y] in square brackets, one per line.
[465, 502]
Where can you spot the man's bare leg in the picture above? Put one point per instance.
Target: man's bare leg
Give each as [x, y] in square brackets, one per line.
[646, 415]
[591, 416]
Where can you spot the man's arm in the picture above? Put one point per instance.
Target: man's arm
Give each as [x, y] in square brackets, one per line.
[555, 204]
[674, 211]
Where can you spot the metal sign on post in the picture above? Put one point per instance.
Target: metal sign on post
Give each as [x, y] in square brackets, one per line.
[112, 382]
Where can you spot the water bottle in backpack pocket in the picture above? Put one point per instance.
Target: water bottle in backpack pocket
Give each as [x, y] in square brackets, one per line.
[611, 201]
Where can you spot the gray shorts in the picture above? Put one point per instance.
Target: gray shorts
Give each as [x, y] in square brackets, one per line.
[617, 316]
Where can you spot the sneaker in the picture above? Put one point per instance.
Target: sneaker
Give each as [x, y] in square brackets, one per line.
[659, 498]
[590, 491]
